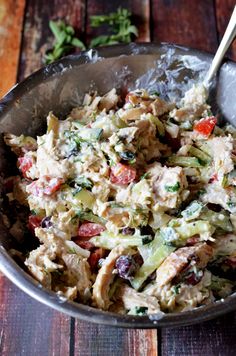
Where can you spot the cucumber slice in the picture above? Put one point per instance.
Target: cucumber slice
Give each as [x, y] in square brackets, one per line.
[151, 264]
[89, 216]
[183, 161]
[219, 220]
[192, 211]
[87, 134]
[159, 125]
[85, 197]
[109, 240]
[202, 156]
[197, 227]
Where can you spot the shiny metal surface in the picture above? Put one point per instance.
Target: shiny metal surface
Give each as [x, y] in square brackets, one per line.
[60, 86]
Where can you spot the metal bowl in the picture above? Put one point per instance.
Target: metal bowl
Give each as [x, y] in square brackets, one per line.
[60, 86]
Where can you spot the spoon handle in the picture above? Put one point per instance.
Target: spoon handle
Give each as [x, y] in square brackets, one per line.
[226, 41]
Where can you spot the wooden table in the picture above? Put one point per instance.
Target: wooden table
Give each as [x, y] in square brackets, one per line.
[26, 326]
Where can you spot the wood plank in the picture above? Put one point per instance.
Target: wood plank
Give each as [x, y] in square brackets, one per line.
[11, 21]
[142, 342]
[216, 337]
[37, 35]
[224, 10]
[140, 10]
[188, 23]
[27, 327]
[96, 340]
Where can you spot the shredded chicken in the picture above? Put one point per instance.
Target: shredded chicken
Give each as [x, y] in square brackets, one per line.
[176, 261]
[105, 277]
[131, 298]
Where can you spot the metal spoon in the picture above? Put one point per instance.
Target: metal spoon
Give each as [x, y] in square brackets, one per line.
[226, 41]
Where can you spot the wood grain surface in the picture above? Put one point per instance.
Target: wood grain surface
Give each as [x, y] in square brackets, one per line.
[224, 10]
[188, 23]
[11, 21]
[26, 326]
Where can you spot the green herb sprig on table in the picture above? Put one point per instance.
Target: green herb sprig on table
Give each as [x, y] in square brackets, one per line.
[65, 41]
[119, 25]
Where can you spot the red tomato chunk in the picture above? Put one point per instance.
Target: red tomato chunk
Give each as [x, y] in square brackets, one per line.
[45, 186]
[34, 221]
[205, 126]
[24, 164]
[122, 174]
[90, 229]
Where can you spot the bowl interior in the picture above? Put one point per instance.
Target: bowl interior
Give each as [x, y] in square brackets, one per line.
[168, 69]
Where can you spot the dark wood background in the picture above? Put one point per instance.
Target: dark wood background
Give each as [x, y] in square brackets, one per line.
[26, 326]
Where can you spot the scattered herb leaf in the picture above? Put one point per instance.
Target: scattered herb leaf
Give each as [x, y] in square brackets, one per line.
[64, 42]
[172, 188]
[120, 26]
[145, 175]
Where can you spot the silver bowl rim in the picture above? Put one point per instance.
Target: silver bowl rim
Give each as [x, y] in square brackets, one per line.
[34, 289]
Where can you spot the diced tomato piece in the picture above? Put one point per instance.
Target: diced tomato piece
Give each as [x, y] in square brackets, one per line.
[205, 126]
[213, 178]
[24, 164]
[95, 257]
[52, 186]
[89, 229]
[34, 221]
[122, 174]
[45, 186]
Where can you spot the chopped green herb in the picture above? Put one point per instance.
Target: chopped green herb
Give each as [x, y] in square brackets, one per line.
[145, 175]
[176, 288]
[154, 92]
[83, 182]
[232, 206]
[172, 188]
[201, 192]
[72, 251]
[138, 311]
